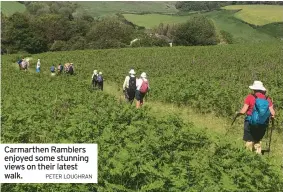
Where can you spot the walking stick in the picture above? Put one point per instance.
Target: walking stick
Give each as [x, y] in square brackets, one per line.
[236, 116]
[272, 127]
[270, 138]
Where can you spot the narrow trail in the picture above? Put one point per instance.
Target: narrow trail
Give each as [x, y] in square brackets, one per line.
[160, 110]
[213, 124]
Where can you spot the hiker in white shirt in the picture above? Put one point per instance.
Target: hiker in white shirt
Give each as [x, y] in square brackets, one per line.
[38, 66]
[129, 86]
[142, 88]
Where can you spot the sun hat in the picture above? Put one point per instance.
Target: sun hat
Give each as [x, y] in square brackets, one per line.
[132, 72]
[100, 73]
[143, 75]
[257, 85]
[95, 71]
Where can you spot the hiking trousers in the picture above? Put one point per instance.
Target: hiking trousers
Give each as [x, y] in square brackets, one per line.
[129, 95]
[100, 85]
[253, 136]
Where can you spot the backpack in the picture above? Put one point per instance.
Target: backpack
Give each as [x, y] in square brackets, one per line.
[132, 83]
[20, 61]
[260, 113]
[144, 87]
[99, 78]
[94, 77]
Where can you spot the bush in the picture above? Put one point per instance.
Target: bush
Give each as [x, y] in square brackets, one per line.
[198, 30]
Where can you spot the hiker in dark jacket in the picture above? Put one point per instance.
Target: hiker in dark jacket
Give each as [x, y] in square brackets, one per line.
[129, 86]
[94, 79]
[100, 81]
[253, 134]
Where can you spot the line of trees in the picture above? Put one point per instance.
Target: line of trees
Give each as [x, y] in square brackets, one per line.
[59, 26]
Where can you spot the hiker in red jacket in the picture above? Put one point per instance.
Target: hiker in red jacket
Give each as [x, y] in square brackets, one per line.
[253, 134]
[142, 88]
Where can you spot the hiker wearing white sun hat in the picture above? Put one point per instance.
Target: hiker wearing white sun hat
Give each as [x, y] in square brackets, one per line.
[142, 89]
[261, 105]
[129, 86]
[94, 79]
[257, 85]
[100, 81]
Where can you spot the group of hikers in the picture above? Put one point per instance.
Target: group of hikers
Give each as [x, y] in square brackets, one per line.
[258, 107]
[97, 80]
[67, 68]
[133, 88]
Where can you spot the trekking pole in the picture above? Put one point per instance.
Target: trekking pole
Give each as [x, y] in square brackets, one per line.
[272, 127]
[236, 116]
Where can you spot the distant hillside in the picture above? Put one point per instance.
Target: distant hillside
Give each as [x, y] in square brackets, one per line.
[104, 8]
[258, 14]
[10, 7]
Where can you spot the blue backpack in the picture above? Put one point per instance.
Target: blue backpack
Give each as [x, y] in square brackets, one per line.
[260, 113]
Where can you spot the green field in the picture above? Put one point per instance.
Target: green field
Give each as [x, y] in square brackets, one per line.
[258, 14]
[10, 7]
[182, 134]
[109, 8]
[242, 33]
[223, 20]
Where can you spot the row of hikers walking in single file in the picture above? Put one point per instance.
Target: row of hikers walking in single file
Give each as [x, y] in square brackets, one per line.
[258, 107]
[67, 68]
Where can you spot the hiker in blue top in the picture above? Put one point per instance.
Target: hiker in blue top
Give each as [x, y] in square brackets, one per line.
[258, 109]
[52, 69]
[20, 63]
[100, 81]
[60, 68]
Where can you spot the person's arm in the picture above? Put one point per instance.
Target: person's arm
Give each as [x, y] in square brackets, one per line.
[125, 84]
[244, 109]
[271, 109]
[246, 106]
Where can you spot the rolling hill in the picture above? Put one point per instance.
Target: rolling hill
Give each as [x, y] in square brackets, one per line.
[10, 7]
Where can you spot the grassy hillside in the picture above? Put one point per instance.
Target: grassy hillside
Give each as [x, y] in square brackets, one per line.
[10, 7]
[105, 8]
[242, 32]
[258, 14]
[147, 149]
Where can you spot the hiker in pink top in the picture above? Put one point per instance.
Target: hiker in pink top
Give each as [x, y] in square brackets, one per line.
[142, 88]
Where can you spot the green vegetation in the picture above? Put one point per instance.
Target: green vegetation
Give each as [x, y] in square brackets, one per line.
[11, 7]
[198, 30]
[258, 14]
[150, 21]
[105, 8]
[140, 151]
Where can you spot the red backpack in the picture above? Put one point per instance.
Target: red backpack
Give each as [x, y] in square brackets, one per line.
[144, 86]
